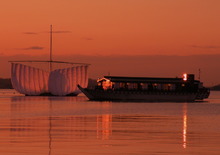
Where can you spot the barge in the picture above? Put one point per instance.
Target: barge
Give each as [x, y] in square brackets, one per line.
[118, 88]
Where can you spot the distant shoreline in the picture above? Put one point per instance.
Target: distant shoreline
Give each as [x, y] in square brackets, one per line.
[5, 84]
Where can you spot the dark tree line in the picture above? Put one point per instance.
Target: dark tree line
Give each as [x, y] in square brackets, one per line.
[217, 87]
[5, 84]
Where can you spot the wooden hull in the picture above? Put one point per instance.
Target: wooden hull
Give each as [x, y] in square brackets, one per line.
[110, 95]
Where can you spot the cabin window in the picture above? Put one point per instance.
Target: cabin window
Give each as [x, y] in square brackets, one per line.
[144, 86]
[122, 85]
[135, 85]
[107, 84]
[150, 87]
[159, 86]
[130, 86]
[155, 86]
[172, 86]
[168, 87]
[116, 85]
[164, 87]
[113, 85]
[139, 86]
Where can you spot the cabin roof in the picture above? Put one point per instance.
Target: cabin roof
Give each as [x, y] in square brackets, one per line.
[144, 79]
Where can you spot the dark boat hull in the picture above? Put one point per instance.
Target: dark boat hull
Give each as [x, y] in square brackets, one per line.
[110, 95]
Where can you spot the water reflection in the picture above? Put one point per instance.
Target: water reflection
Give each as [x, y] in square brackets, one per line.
[50, 127]
[46, 99]
[53, 120]
[184, 125]
[104, 122]
[71, 125]
[104, 126]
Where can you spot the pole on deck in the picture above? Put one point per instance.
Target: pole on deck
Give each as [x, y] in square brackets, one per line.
[51, 47]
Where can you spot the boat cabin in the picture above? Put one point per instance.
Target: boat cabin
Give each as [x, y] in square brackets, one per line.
[186, 83]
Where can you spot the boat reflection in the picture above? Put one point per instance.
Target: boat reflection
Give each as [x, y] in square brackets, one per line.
[104, 123]
[50, 121]
[184, 125]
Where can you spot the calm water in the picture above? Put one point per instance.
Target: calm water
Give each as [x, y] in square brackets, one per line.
[73, 125]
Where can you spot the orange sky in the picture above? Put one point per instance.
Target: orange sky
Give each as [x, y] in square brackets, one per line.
[111, 27]
[133, 27]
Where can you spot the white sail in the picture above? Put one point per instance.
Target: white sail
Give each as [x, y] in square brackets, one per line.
[58, 82]
[86, 76]
[54, 82]
[69, 75]
[33, 81]
[21, 78]
[64, 81]
[82, 68]
[14, 77]
[29, 80]
[78, 77]
[51, 81]
[73, 79]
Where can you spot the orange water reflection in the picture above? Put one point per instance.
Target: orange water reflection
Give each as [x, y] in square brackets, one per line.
[104, 123]
[72, 126]
[184, 125]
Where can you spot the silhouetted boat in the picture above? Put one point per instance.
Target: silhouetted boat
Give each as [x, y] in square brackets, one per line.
[53, 78]
[62, 81]
[115, 88]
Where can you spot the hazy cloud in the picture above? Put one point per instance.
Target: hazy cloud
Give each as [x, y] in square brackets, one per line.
[205, 47]
[32, 48]
[31, 33]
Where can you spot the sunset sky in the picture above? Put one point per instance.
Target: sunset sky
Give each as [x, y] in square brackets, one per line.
[110, 27]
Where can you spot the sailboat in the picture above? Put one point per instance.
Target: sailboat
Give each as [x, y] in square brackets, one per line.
[62, 81]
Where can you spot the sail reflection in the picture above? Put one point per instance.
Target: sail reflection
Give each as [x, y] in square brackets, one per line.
[22, 100]
[54, 123]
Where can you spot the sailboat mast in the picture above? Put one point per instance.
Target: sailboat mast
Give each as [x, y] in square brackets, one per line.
[51, 48]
